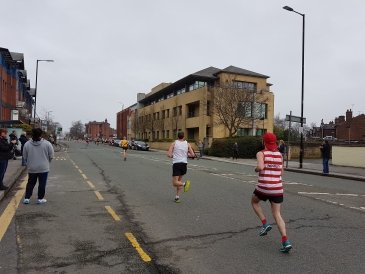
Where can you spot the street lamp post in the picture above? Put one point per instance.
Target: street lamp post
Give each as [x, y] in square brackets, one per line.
[36, 82]
[301, 153]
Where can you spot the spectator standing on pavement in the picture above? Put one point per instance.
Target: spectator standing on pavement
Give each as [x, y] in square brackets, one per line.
[270, 187]
[124, 144]
[37, 153]
[179, 152]
[235, 151]
[282, 147]
[22, 139]
[6, 153]
[201, 148]
[12, 136]
[326, 152]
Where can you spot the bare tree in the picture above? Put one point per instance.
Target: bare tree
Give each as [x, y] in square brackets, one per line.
[233, 107]
[77, 130]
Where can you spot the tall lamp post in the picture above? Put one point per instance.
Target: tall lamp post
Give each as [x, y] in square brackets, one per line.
[36, 81]
[301, 153]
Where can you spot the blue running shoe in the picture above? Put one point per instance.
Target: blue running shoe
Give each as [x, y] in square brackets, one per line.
[265, 228]
[286, 247]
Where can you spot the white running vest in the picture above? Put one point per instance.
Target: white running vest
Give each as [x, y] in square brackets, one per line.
[180, 153]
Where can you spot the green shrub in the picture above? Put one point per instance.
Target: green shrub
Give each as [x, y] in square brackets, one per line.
[248, 146]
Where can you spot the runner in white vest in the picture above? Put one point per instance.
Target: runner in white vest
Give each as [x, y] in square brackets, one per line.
[179, 152]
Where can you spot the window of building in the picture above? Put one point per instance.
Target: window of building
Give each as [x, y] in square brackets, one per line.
[167, 134]
[191, 110]
[162, 114]
[209, 108]
[154, 116]
[170, 95]
[174, 111]
[180, 110]
[157, 135]
[244, 132]
[244, 85]
[180, 91]
[174, 133]
[196, 85]
[167, 113]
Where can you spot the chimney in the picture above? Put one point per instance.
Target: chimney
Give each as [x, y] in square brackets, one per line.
[348, 115]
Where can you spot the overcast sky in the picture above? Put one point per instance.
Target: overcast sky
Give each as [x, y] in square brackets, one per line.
[106, 51]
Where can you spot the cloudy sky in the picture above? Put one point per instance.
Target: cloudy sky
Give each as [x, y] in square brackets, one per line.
[106, 51]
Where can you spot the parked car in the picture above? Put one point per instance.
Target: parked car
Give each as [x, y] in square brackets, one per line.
[329, 138]
[115, 142]
[140, 145]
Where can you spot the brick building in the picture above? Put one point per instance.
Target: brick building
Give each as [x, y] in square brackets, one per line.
[350, 128]
[99, 130]
[189, 105]
[15, 99]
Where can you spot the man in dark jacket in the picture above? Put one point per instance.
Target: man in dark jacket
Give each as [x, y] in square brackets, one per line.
[6, 153]
[22, 139]
[326, 152]
[12, 137]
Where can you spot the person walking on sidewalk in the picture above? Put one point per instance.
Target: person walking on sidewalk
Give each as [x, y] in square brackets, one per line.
[22, 139]
[270, 187]
[201, 148]
[6, 153]
[326, 152]
[124, 144]
[37, 153]
[179, 152]
[235, 151]
[12, 137]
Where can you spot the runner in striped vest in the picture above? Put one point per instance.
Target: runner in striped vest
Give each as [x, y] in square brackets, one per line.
[270, 187]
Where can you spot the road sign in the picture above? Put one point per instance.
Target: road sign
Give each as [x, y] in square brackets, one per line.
[295, 119]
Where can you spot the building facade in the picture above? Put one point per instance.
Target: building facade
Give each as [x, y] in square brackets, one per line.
[15, 93]
[100, 130]
[194, 103]
[350, 128]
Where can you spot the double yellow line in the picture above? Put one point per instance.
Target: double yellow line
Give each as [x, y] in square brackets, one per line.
[9, 212]
[144, 256]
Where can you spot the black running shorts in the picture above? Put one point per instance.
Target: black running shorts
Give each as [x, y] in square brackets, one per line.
[272, 199]
[179, 169]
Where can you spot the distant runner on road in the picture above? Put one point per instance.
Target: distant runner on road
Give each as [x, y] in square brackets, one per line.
[124, 145]
[270, 187]
[179, 152]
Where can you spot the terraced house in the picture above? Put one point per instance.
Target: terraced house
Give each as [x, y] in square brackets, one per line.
[211, 103]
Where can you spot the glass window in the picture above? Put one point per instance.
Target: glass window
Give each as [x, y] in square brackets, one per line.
[244, 85]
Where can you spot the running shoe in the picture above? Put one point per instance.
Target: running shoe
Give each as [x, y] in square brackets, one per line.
[187, 186]
[286, 246]
[264, 229]
[26, 201]
[41, 201]
[177, 200]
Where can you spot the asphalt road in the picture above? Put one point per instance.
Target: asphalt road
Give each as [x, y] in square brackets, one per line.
[213, 230]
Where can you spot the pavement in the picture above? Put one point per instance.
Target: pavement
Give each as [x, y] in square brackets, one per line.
[13, 172]
[310, 166]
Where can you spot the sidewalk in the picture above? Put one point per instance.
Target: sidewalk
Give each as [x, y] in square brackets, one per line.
[12, 174]
[310, 166]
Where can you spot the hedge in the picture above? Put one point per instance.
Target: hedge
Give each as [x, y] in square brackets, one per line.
[248, 146]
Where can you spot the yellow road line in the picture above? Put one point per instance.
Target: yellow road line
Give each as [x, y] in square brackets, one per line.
[98, 195]
[80, 170]
[90, 184]
[9, 212]
[112, 213]
[76, 165]
[139, 249]
[83, 175]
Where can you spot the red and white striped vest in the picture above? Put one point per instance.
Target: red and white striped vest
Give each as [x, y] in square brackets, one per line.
[269, 182]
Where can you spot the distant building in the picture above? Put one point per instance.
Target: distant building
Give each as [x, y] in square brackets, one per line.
[324, 130]
[350, 128]
[188, 105]
[99, 130]
[125, 126]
